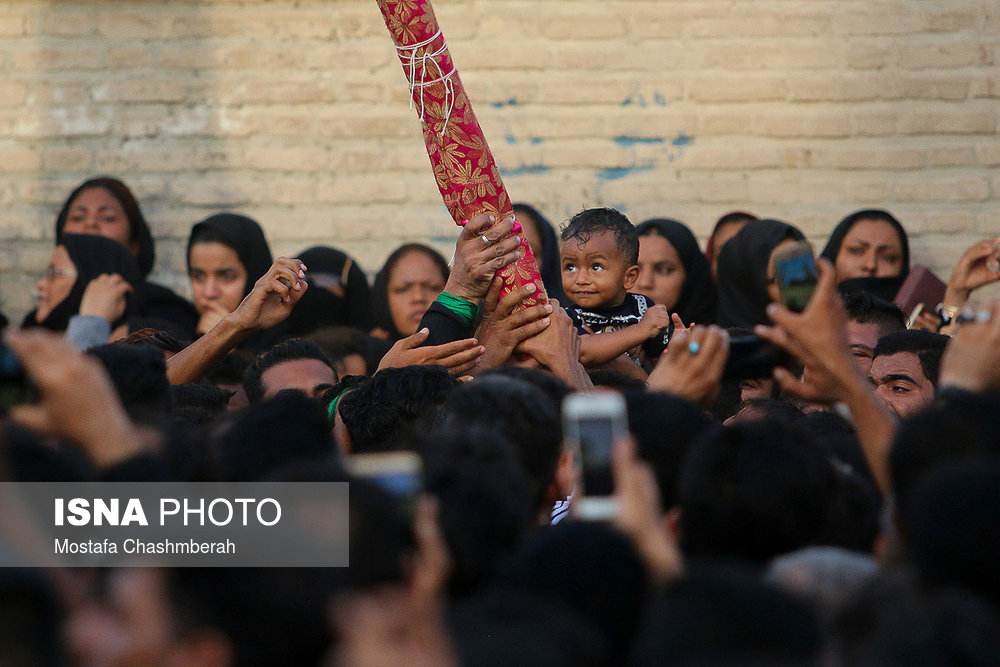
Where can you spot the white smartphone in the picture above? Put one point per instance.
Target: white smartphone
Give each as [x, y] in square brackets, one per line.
[397, 473]
[592, 422]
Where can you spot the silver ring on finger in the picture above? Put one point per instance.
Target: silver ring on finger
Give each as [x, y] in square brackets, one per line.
[486, 241]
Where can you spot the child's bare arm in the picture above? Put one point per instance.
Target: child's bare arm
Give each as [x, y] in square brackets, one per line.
[602, 348]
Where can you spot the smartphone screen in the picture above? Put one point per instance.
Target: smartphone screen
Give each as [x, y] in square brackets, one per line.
[399, 474]
[796, 273]
[597, 437]
[592, 423]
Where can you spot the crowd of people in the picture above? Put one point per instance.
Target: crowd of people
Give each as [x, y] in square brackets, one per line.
[835, 505]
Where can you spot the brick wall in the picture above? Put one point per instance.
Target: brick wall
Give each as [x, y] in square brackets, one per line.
[295, 112]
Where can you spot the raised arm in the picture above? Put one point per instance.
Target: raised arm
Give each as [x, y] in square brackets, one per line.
[818, 337]
[606, 347]
[270, 301]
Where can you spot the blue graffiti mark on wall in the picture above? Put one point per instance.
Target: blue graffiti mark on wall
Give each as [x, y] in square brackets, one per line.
[511, 139]
[626, 141]
[525, 170]
[682, 140]
[640, 99]
[616, 173]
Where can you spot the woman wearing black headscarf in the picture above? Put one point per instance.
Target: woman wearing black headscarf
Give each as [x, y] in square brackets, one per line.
[869, 244]
[78, 260]
[673, 271]
[106, 207]
[746, 272]
[226, 254]
[544, 244]
[410, 280]
[338, 296]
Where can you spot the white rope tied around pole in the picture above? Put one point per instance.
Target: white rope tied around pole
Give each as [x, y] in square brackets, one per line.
[408, 55]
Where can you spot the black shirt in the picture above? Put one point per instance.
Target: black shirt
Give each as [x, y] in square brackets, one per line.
[615, 318]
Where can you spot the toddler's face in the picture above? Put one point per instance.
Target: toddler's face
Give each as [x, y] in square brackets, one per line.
[594, 274]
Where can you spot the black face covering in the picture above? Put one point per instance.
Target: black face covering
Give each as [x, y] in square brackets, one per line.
[139, 233]
[331, 269]
[743, 263]
[241, 234]
[92, 256]
[696, 302]
[884, 288]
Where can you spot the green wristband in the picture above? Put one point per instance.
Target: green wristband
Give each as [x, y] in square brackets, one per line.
[332, 410]
[465, 310]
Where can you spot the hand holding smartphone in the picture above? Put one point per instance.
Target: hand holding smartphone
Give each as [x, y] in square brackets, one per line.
[796, 273]
[592, 423]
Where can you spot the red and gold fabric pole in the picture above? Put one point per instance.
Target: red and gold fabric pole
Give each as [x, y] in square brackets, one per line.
[464, 168]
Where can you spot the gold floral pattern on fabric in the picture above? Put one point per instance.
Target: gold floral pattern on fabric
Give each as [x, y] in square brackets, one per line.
[463, 166]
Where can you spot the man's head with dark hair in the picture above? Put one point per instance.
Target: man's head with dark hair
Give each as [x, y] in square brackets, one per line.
[163, 340]
[345, 347]
[31, 631]
[210, 616]
[599, 258]
[868, 319]
[664, 428]
[555, 388]
[293, 364]
[381, 411]
[285, 428]
[612, 378]
[905, 369]
[486, 505]
[753, 491]
[726, 616]
[590, 567]
[30, 457]
[919, 629]
[227, 373]
[951, 523]
[522, 413]
[953, 429]
[759, 409]
[140, 377]
[511, 627]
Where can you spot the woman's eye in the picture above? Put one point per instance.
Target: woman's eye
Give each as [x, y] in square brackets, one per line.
[857, 250]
